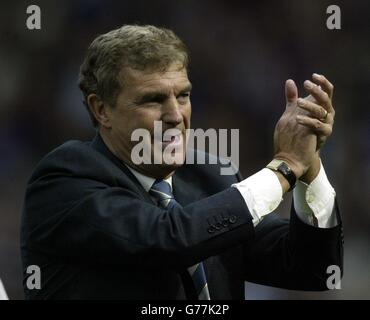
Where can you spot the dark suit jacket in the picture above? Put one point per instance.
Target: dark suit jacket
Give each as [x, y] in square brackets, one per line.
[96, 234]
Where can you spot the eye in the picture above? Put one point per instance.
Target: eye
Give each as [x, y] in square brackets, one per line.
[152, 101]
[155, 100]
[184, 96]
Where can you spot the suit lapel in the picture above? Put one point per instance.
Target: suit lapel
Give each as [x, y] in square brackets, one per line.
[98, 144]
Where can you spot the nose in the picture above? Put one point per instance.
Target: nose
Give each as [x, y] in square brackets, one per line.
[171, 113]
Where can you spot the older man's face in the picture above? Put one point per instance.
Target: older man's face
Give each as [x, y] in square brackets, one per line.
[150, 96]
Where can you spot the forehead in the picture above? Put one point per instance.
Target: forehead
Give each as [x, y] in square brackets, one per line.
[139, 81]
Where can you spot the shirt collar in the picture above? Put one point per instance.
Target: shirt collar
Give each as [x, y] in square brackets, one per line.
[145, 181]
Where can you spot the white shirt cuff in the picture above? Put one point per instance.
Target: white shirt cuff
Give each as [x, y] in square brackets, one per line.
[314, 203]
[262, 193]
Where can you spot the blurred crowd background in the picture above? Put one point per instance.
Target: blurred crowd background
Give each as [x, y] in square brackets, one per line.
[241, 54]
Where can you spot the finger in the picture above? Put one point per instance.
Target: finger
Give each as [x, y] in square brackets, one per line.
[291, 93]
[316, 125]
[320, 95]
[325, 84]
[315, 110]
[320, 142]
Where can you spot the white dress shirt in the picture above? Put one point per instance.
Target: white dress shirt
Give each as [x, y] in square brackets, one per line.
[313, 203]
[263, 193]
[145, 181]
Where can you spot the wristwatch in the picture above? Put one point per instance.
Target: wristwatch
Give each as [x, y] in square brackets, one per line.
[283, 168]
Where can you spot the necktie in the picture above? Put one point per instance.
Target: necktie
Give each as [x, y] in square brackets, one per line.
[162, 191]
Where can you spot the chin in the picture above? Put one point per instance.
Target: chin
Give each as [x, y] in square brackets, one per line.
[158, 171]
[169, 167]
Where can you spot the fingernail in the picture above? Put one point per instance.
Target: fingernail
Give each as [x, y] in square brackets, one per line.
[317, 76]
[308, 84]
[301, 102]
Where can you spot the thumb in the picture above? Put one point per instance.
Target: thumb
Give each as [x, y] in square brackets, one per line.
[291, 93]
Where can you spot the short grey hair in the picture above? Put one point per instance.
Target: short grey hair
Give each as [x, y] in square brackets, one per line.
[134, 46]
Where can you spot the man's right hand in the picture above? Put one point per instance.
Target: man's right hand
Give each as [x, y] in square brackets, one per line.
[293, 143]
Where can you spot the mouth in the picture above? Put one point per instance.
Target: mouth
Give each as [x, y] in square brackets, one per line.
[172, 140]
[169, 139]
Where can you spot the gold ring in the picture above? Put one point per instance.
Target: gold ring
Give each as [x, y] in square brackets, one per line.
[325, 116]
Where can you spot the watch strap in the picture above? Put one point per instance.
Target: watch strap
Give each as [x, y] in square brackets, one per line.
[285, 170]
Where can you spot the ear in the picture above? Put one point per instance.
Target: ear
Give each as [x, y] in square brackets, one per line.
[99, 109]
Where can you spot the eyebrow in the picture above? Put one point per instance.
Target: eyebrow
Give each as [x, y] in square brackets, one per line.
[160, 95]
[187, 88]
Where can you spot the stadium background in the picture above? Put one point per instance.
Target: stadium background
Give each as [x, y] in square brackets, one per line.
[241, 54]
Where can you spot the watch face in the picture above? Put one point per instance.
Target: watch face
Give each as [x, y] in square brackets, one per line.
[288, 174]
[284, 168]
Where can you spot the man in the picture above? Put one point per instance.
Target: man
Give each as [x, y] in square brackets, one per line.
[101, 226]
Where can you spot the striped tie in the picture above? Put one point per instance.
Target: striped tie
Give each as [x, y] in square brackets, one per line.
[162, 191]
